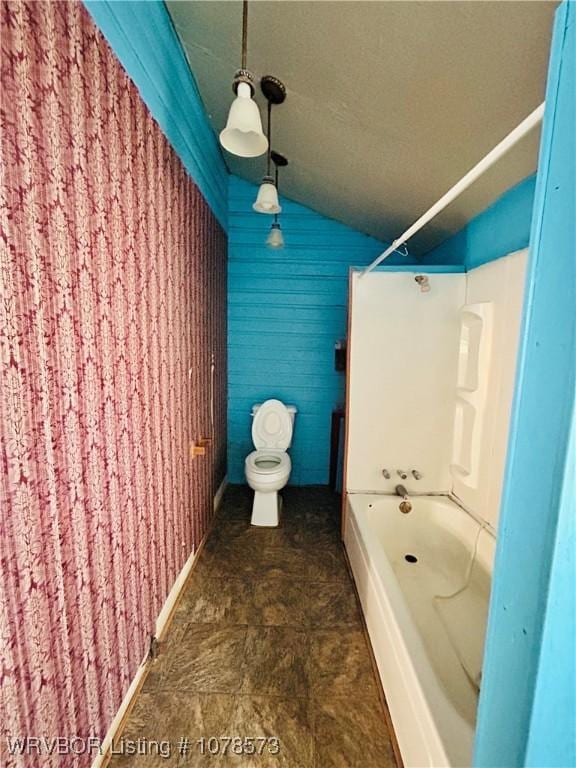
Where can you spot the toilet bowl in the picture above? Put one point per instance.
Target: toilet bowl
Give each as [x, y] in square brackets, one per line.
[268, 467]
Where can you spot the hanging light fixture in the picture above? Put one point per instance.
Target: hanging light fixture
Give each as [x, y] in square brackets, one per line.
[267, 199]
[243, 135]
[275, 237]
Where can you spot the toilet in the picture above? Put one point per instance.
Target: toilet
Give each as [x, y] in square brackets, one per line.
[268, 467]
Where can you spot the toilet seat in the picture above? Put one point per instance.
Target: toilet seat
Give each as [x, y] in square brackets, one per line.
[268, 462]
[272, 426]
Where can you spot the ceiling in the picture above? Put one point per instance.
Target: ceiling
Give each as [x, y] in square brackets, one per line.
[388, 103]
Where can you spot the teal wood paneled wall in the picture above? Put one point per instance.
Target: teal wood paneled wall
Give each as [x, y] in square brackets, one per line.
[142, 36]
[527, 711]
[502, 228]
[286, 310]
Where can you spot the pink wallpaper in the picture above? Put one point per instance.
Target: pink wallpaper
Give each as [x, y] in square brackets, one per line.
[112, 304]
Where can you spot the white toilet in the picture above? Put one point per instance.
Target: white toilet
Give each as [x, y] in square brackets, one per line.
[268, 467]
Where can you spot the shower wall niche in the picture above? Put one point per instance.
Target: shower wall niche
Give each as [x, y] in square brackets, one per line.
[471, 386]
[489, 332]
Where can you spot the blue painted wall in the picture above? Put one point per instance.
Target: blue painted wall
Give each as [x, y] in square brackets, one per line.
[526, 714]
[551, 741]
[502, 228]
[143, 38]
[286, 309]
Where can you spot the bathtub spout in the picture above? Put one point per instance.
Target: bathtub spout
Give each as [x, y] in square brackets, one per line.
[401, 491]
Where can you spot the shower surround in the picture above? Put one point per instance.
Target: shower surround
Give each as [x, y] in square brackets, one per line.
[438, 379]
[112, 312]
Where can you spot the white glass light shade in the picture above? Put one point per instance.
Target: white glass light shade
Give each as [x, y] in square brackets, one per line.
[243, 134]
[275, 239]
[267, 199]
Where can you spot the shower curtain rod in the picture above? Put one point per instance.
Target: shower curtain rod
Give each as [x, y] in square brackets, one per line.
[474, 173]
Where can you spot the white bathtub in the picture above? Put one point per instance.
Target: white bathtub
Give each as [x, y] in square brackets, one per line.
[426, 619]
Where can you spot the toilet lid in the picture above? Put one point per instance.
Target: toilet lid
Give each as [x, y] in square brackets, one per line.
[272, 426]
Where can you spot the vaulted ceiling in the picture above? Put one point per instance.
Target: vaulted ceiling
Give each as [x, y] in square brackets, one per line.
[388, 103]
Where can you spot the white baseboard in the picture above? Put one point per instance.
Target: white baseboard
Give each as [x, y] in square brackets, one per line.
[102, 757]
[220, 493]
[160, 627]
[174, 594]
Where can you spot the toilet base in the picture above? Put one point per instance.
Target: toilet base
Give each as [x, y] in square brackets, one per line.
[266, 509]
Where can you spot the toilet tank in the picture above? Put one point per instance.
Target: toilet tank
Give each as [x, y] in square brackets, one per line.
[292, 410]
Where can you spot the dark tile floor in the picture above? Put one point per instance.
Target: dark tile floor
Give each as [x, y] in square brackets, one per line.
[267, 641]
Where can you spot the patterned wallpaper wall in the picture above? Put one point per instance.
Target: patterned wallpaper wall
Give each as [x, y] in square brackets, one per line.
[112, 304]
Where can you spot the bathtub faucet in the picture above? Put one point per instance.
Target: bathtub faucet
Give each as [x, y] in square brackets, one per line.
[401, 491]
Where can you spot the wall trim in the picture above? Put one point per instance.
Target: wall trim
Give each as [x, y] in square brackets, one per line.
[420, 269]
[163, 620]
[143, 38]
[102, 759]
[162, 624]
[521, 604]
[220, 493]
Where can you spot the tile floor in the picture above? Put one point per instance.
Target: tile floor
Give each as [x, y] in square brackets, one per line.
[267, 641]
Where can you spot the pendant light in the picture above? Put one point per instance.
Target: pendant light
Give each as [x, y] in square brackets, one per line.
[243, 135]
[267, 199]
[275, 237]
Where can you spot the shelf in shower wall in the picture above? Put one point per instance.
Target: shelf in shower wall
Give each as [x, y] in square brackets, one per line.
[471, 389]
[474, 343]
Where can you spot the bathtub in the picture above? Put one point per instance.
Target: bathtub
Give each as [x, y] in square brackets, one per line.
[424, 583]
